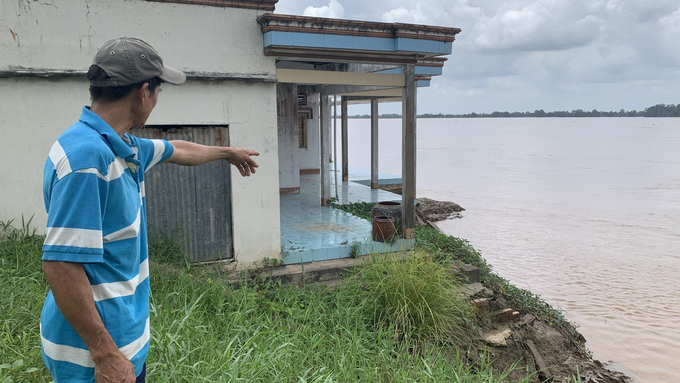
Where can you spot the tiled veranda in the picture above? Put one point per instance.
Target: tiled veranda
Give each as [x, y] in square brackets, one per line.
[310, 232]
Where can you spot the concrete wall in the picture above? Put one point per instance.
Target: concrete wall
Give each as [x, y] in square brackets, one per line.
[310, 156]
[193, 37]
[289, 163]
[64, 37]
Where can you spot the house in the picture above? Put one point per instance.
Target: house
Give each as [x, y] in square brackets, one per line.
[255, 79]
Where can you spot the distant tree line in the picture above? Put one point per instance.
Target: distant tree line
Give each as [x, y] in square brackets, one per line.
[659, 110]
[662, 110]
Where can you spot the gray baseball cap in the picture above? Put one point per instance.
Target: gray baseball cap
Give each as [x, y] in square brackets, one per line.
[128, 61]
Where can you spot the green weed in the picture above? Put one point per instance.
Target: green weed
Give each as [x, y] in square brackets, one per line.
[415, 295]
[169, 249]
[360, 209]
[355, 249]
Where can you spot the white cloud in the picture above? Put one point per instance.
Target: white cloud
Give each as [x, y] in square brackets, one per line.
[649, 11]
[333, 10]
[670, 35]
[671, 25]
[403, 15]
[448, 13]
[539, 54]
[541, 25]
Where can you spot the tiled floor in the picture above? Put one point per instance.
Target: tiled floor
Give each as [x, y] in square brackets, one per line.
[310, 232]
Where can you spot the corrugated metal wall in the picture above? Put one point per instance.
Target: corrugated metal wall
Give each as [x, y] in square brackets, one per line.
[191, 203]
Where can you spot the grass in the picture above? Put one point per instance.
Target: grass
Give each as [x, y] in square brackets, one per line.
[414, 295]
[22, 293]
[205, 331]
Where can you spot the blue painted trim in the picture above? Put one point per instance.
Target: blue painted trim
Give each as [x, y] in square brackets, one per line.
[423, 84]
[420, 70]
[415, 45]
[364, 43]
[429, 70]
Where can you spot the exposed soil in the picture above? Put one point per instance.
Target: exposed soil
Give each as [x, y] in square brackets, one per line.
[509, 342]
[511, 345]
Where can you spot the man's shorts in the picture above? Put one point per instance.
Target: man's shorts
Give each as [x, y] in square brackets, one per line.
[142, 377]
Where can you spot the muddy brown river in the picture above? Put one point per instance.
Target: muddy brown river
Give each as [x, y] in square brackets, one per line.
[584, 212]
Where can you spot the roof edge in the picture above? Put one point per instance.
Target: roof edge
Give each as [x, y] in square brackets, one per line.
[42, 73]
[308, 24]
[263, 5]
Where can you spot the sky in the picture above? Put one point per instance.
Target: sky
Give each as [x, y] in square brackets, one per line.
[525, 55]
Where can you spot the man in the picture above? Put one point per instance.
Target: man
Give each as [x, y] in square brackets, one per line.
[95, 322]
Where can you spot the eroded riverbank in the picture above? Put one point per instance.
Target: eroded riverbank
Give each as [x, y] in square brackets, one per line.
[556, 352]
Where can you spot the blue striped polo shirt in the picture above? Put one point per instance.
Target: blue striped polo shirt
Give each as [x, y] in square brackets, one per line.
[94, 194]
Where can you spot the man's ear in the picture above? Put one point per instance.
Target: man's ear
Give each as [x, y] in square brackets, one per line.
[141, 94]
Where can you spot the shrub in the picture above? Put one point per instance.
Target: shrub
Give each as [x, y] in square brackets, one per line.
[413, 294]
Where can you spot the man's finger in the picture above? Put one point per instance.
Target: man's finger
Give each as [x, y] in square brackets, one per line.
[252, 164]
[245, 164]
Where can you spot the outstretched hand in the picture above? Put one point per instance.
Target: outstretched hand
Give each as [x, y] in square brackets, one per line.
[241, 158]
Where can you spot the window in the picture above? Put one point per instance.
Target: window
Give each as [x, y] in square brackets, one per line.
[302, 130]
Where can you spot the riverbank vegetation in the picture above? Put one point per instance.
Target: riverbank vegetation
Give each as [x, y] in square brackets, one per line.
[395, 318]
[659, 110]
[203, 330]
[448, 249]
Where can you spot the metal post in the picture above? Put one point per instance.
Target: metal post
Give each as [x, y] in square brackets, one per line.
[374, 143]
[409, 152]
[325, 124]
[335, 143]
[345, 151]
